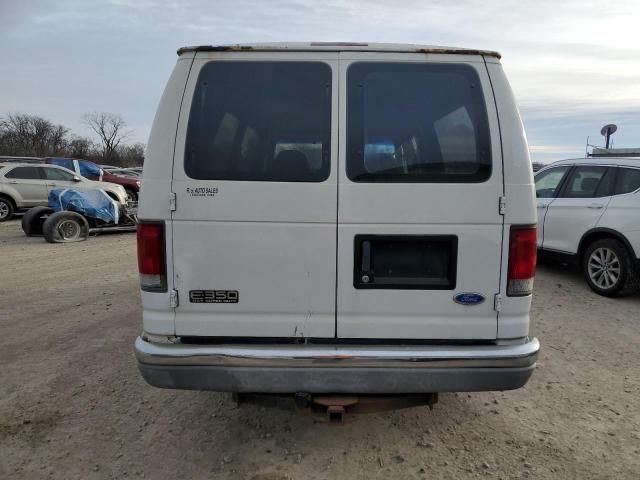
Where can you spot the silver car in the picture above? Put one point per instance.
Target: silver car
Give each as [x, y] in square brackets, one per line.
[26, 185]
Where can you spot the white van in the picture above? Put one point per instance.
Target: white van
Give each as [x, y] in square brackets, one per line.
[337, 218]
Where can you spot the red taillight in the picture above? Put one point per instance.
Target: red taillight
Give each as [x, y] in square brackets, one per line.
[151, 258]
[522, 260]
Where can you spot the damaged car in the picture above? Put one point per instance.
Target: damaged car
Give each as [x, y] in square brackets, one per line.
[72, 215]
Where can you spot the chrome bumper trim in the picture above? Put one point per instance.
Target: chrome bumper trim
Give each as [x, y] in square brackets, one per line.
[338, 356]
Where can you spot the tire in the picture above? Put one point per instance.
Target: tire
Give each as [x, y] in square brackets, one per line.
[6, 209]
[33, 220]
[64, 227]
[131, 195]
[610, 269]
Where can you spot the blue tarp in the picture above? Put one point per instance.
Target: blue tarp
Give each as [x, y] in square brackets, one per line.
[92, 203]
[87, 168]
[63, 162]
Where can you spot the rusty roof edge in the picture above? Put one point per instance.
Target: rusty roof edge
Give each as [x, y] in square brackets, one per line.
[271, 48]
[460, 51]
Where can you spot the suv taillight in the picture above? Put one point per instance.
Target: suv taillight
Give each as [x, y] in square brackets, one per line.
[151, 257]
[522, 260]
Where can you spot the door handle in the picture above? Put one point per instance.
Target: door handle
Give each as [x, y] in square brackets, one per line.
[596, 206]
[13, 182]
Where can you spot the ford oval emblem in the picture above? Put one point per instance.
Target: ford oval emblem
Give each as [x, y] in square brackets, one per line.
[468, 298]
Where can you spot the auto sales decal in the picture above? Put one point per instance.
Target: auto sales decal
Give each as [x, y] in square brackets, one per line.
[214, 296]
[202, 191]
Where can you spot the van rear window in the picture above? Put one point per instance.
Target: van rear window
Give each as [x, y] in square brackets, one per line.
[260, 121]
[416, 122]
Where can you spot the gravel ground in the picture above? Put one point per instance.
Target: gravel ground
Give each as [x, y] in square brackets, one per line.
[72, 404]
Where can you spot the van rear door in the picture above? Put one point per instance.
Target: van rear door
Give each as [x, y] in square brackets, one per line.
[254, 229]
[419, 228]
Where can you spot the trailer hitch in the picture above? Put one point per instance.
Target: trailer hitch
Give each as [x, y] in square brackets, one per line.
[336, 407]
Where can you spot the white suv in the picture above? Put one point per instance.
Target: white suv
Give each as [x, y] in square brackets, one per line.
[332, 218]
[589, 212]
[26, 185]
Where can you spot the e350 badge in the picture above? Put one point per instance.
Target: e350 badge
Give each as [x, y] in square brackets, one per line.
[213, 296]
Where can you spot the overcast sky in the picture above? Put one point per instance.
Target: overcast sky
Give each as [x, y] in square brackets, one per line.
[574, 65]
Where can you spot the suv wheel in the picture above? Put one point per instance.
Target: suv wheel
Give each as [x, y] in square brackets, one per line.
[610, 269]
[6, 209]
[131, 195]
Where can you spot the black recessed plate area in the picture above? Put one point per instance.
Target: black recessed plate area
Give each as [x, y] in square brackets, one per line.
[405, 262]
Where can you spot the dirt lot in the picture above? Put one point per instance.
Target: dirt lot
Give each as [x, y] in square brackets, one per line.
[72, 404]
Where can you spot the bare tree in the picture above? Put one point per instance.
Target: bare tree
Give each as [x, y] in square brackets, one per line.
[81, 147]
[537, 166]
[131, 155]
[30, 135]
[110, 128]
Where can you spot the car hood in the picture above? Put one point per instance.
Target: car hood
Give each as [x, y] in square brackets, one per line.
[121, 179]
[103, 184]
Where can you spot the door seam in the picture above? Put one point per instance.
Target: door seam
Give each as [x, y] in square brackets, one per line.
[173, 161]
[504, 193]
[338, 113]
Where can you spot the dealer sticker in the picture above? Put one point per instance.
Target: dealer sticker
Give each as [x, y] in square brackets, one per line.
[202, 191]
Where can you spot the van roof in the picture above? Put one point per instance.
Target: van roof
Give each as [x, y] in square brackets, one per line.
[337, 47]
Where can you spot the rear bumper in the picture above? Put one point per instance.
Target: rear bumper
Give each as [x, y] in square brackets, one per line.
[337, 368]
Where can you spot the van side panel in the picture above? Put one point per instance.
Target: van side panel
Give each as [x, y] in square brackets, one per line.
[157, 315]
[518, 174]
[513, 319]
[159, 155]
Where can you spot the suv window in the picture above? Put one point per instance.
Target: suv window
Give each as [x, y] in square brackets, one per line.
[25, 173]
[58, 174]
[605, 189]
[260, 121]
[585, 182]
[416, 123]
[628, 180]
[548, 181]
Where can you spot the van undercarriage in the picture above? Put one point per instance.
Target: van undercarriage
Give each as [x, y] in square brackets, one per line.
[335, 407]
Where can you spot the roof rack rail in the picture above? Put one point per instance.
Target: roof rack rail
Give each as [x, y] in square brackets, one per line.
[615, 152]
[336, 46]
[16, 159]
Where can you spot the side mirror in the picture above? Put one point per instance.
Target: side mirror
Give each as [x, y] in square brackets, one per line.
[76, 178]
